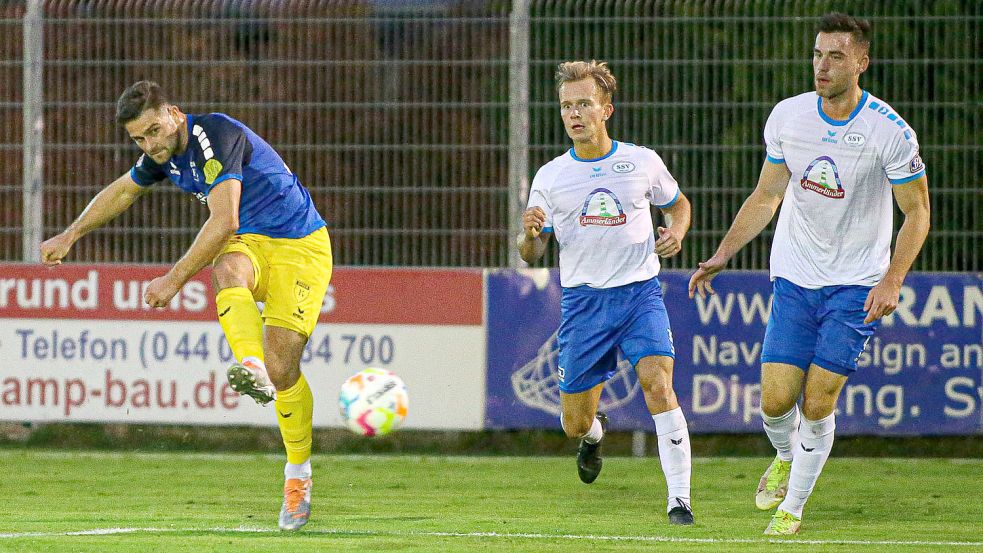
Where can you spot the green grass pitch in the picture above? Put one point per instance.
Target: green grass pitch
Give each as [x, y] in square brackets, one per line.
[91, 501]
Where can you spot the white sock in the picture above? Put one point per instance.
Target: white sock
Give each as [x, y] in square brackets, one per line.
[674, 453]
[815, 443]
[783, 432]
[303, 470]
[593, 435]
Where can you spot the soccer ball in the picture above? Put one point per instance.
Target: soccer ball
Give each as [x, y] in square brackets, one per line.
[373, 402]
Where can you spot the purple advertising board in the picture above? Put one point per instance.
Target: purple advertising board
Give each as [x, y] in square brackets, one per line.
[921, 373]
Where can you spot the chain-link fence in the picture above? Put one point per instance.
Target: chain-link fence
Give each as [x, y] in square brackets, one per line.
[698, 79]
[398, 116]
[11, 132]
[390, 117]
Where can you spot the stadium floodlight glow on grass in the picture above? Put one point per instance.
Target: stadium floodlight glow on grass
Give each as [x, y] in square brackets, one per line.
[537, 384]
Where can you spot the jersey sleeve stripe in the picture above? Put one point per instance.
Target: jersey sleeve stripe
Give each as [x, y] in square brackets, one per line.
[224, 178]
[917, 175]
[670, 202]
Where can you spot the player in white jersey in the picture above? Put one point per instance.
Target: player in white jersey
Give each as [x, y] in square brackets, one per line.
[596, 199]
[836, 157]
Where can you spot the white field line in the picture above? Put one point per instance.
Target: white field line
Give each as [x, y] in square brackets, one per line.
[492, 535]
[384, 457]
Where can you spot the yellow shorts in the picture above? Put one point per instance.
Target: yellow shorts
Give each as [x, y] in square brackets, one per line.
[291, 276]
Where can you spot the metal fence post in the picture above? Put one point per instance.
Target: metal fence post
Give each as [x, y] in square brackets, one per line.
[33, 127]
[518, 123]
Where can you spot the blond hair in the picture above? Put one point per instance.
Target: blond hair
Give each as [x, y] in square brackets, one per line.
[571, 71]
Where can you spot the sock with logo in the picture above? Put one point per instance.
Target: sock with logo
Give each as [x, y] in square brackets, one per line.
[783, 432]
[295, 415]
[674, 452]
[241, 321]
[815, 443]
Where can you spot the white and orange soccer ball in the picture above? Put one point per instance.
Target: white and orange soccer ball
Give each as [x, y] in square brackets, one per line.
[373, 402]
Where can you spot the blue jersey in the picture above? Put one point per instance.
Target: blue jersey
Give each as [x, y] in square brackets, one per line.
[273, 203]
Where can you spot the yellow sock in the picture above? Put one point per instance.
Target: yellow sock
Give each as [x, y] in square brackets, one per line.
[240, 319]
[295, 414]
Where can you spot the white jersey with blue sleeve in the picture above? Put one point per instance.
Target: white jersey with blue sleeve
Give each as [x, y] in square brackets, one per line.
[836, 220]
[600, 212]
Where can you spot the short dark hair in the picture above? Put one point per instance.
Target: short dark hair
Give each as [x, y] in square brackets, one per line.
[138, 98]
[838, 22]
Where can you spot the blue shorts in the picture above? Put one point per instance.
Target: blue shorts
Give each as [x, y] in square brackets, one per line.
[824, 326]
[597, 322]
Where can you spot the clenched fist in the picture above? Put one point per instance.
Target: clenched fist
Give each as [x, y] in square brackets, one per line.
[533, 221]
[54, 249]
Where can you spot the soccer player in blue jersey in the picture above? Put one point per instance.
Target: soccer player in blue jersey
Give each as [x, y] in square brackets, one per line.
[264, 239]
[835, 159]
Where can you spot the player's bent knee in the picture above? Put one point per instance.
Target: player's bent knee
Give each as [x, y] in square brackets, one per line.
[284, 348]
[774, 406]
[816, 409]
[282, 375]
[660, 391]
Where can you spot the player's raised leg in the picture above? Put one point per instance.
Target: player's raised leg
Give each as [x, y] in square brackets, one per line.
[580, 420]
[781, 385]
[234, 278]
[655, 377]
[588, 358]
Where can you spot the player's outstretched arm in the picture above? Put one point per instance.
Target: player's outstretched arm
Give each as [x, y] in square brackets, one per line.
[758, 210]
[104, 207]
[913, 200]
[532, 241]
[222, 223]
[678, 217]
